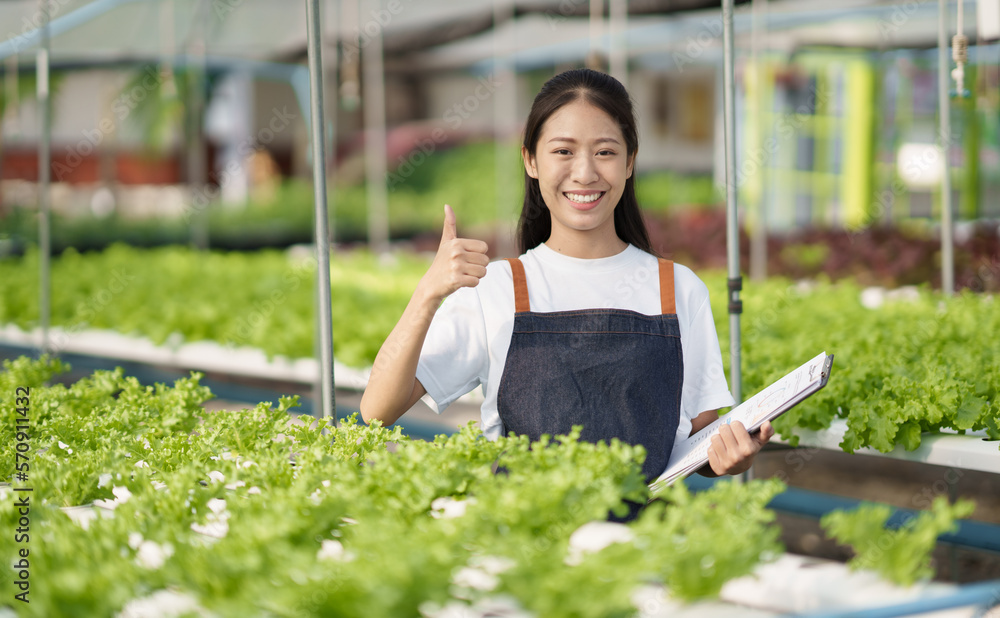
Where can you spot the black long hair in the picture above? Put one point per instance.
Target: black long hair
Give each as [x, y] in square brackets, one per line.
[608, 94]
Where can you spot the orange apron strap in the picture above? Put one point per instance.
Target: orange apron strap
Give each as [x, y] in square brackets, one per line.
[668, 305]
[521, 303]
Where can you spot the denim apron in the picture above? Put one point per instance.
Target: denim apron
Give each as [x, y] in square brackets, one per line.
[616, 372]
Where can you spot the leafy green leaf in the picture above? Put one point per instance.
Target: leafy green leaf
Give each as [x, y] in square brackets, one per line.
[909, 435]
[901, 555]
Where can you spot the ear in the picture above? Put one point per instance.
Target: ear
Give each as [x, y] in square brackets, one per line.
[529, 163]
[631, 163]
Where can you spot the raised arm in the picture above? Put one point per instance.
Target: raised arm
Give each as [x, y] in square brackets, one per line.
[393, 387]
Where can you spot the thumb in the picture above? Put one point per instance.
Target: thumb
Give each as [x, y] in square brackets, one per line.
[765, 434]
[450, 232]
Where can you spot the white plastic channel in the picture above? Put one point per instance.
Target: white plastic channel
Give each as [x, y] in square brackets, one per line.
[205, 356]
[969, 452]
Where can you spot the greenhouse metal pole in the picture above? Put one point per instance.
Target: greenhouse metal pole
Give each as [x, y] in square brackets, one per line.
[504, 127]
[44, 180]
[329, 61]
[373, 99]
[944, 111]
[594, 60]
[325, 311]
[195, 109]
[618, 23]
[758, 241]
[735, 283]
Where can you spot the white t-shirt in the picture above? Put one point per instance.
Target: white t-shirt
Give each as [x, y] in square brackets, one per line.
[466, 345]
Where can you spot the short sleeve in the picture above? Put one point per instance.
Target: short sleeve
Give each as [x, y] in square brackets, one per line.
[454, 358]
[705, 386]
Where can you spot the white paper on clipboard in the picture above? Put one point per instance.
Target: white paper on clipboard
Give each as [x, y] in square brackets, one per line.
[773, 401]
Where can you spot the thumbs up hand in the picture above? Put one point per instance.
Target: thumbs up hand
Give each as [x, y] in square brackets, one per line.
[459, 263]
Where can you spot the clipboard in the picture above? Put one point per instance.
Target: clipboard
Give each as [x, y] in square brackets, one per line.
[778, 398]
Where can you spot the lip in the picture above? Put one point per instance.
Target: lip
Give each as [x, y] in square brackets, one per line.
[588, 205]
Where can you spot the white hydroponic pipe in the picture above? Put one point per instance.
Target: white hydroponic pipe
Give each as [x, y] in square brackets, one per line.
[324, 315]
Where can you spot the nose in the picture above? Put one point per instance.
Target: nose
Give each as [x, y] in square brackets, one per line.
[584, 169]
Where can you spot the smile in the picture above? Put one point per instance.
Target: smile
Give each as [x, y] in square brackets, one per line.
[581, 198]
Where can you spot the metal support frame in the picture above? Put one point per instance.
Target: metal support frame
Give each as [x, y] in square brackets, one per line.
[330, 61]
[373, 101]
[758, 238]
[194, 113]
[505, 132]
[732, 222]
[594, 57]
[618, 49]
[944, 111]
[324, 314]
[44, 181]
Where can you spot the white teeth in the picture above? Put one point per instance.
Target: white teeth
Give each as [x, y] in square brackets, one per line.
[584, 199]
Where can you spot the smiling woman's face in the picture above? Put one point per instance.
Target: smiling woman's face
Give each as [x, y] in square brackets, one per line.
[581, 165]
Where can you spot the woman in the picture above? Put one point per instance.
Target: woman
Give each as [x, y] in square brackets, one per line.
[588, 327]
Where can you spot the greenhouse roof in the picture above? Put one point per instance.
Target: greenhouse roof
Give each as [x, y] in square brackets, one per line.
[113, 31]
[443, 34]
[697, 35]
[120, 31]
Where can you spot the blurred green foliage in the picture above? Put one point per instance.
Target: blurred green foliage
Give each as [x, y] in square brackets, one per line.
[464, 177]
[806, 255]
[263, 299]
[907, 362]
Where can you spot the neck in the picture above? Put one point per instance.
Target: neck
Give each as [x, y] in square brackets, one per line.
[585, 246]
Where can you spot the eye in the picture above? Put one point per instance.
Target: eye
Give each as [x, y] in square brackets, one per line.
[606, 152]
[561, 151]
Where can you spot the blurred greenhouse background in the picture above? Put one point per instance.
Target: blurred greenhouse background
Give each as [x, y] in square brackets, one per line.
[186, 122]
[159, 183]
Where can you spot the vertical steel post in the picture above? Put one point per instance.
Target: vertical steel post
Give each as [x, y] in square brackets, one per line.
[324, 314]
[44, 180]
[12, 102]
[350, 86]
[758, 241]
[944, 109]
[195, 108]
[373, 99]
[732, 225]
[504, 123]
[330, 59]
[594, 59]
[168, 48]
[618, 21]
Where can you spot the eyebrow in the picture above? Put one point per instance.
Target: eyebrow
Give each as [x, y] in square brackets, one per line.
[599, 140]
